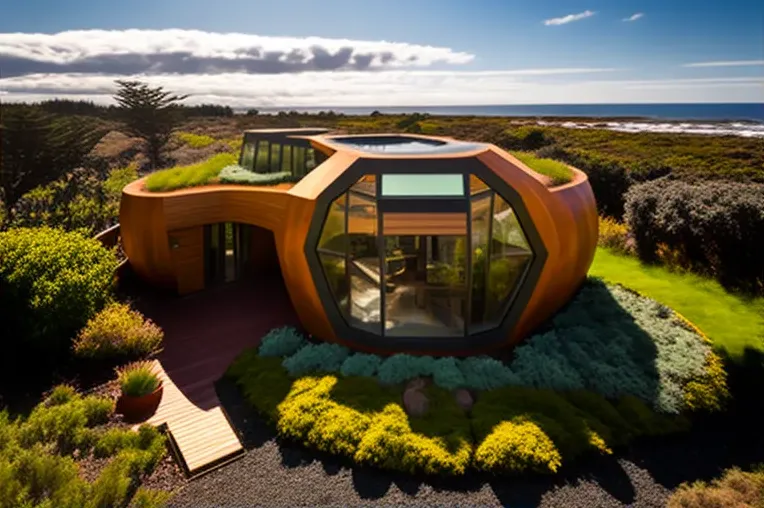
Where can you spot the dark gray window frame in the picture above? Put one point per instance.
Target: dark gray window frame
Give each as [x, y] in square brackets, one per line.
[476, 341]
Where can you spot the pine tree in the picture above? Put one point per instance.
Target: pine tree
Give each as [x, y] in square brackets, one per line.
[149, 113]
[38, 148]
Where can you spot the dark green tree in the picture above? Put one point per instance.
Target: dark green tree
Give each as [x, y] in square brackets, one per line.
[149, 113]
[38, 148]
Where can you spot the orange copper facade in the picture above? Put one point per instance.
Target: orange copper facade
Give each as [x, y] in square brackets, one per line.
[162, 231]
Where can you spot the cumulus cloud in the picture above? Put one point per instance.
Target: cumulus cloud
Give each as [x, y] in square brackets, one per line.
[394, 88]
[634, 17]
[128, 52]
[726, 63]
[569, 18]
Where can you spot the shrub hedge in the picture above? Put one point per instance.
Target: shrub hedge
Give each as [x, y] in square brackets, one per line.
[118, 331]
[710, 226]
[36, 471]
[512, 429]
[51, 283]
[736, 488]
[608, 340]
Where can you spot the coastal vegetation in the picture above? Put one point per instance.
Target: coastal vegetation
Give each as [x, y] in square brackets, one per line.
[679, 248]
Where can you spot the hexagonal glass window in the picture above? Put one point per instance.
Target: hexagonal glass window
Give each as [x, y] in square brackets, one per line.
[414, 273]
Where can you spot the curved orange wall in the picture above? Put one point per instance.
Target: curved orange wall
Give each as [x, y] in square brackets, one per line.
[565, 218]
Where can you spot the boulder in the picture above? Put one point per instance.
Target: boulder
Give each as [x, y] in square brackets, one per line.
[464, 399]
[415, 402]
[416, 384]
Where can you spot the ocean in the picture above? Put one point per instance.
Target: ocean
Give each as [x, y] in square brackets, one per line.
[730, 112]
[732, 119]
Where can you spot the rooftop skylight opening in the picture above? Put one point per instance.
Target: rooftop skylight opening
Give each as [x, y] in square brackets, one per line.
[426, 185]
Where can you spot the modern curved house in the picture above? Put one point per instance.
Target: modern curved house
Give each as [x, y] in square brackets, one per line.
[386, 243]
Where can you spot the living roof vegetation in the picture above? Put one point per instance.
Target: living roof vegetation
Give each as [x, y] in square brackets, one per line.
[559, 172]
[193, 175]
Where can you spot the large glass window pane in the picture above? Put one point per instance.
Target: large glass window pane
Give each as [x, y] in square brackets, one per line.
[364, 264]
[275, 164]
[286, 159]
[336, 275]
[298, 153]
[477, 185]
[422, 185]
[248, 155]
[426, 278]
[261, 157]
[510, 256]
[311, 161]
[507, 231]
[333, 235]
[481, 227]
[366, 185]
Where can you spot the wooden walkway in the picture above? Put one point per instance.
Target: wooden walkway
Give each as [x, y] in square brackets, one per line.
[203, 334]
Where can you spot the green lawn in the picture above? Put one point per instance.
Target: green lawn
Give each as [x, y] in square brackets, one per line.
[731, 321]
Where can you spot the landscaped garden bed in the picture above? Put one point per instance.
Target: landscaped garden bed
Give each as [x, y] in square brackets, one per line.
[73, 451]
[610, 367]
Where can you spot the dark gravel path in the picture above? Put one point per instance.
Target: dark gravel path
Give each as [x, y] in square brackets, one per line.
[273, 473]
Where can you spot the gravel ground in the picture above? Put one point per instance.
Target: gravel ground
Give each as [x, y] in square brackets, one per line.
[274, 473]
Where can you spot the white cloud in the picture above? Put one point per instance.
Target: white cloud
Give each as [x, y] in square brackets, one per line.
[194, 51]
[394, 88]
[726, 63]
[634, 17]
[569, 18]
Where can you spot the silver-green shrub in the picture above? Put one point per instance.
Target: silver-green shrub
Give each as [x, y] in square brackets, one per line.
[239, 175]
[447, 375]
[315, 358]
[486, 373]
[614, 342]
[360, 364]
[282, 341]
[402, 367]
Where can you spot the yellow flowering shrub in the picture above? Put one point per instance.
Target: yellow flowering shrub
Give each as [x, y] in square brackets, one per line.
[517, 445]
[390, 443]
[614, 235]
[709, 391]
[118, 330]
[511, 429]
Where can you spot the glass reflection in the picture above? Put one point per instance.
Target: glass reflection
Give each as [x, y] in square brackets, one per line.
[248, 156]
[426, 278]
[509, 257]
[336, 275]
[333, 237]
[364, 264]
[481, 231]
[423, 275]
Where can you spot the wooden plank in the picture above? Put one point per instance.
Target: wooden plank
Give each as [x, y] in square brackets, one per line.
[445, 224]
[202, 437]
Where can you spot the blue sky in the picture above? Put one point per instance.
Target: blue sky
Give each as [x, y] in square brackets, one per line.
[590, 54]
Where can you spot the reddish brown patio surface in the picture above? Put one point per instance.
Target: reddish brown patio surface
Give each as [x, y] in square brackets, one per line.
[203, 334]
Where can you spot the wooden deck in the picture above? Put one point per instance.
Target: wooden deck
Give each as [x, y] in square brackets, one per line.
[203, 334]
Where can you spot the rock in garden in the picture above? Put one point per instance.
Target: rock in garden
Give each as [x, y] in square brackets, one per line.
[416, 384]
[415, 402]
[464, 399]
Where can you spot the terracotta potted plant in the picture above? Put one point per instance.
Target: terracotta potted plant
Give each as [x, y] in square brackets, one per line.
[141, 390]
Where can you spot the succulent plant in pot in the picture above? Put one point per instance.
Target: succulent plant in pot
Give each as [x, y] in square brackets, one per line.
[141, 390]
